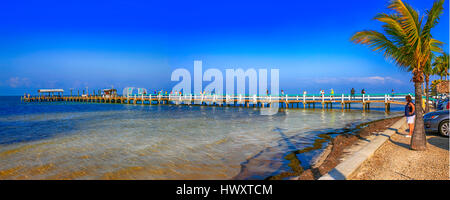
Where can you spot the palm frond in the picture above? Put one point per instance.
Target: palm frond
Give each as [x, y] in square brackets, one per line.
[433, 16]
[380, 43]
[441, 65]
[436, 46]
[393, 28]
[409, 19]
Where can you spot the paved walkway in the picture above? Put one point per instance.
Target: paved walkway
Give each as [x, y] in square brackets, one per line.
[395, 161]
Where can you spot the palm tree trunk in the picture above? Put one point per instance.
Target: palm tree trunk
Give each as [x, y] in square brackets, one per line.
[427, 90]
[418, 140]
[424, 87]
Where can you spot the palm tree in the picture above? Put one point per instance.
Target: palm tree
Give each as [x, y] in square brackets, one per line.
[441, 66]
[407, 41]
[427, 71]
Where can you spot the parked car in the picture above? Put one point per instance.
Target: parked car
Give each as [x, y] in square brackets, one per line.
[437, 122]
[442, 104]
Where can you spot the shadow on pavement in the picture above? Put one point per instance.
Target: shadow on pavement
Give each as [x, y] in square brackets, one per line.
[400, 144]
[439, 141]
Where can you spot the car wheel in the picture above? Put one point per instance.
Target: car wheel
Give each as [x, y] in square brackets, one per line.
[443, 128]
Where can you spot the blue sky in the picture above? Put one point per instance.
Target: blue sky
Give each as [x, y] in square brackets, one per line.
[78, 44]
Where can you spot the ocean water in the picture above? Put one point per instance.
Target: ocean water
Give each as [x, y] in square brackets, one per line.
[114, 141]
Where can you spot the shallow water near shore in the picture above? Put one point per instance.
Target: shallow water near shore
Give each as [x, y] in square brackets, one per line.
[114, 141]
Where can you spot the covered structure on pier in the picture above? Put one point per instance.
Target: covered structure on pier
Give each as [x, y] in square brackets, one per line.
[51, 92]
[109, 93]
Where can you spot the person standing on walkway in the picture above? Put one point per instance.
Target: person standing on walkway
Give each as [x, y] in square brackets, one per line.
[332, 94]
[410, 114]
[363, 91]
[352, 93]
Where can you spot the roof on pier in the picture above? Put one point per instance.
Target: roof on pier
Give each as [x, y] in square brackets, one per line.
[105, 90]
[50, 90]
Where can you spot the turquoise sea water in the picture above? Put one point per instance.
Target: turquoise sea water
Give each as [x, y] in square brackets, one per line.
[115, 141]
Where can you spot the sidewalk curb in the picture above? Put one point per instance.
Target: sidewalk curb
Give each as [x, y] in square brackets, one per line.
[343, 170]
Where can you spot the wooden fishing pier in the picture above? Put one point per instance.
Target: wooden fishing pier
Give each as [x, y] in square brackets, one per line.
[286, 101]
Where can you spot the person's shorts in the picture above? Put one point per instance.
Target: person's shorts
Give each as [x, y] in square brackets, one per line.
[411, 119]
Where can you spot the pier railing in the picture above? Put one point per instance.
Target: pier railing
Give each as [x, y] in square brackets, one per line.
[286, 101]
[279, 98]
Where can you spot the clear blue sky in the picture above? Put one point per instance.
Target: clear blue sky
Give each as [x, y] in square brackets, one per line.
[74, 44]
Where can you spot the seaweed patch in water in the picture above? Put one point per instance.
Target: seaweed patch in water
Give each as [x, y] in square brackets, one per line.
[295, 163]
